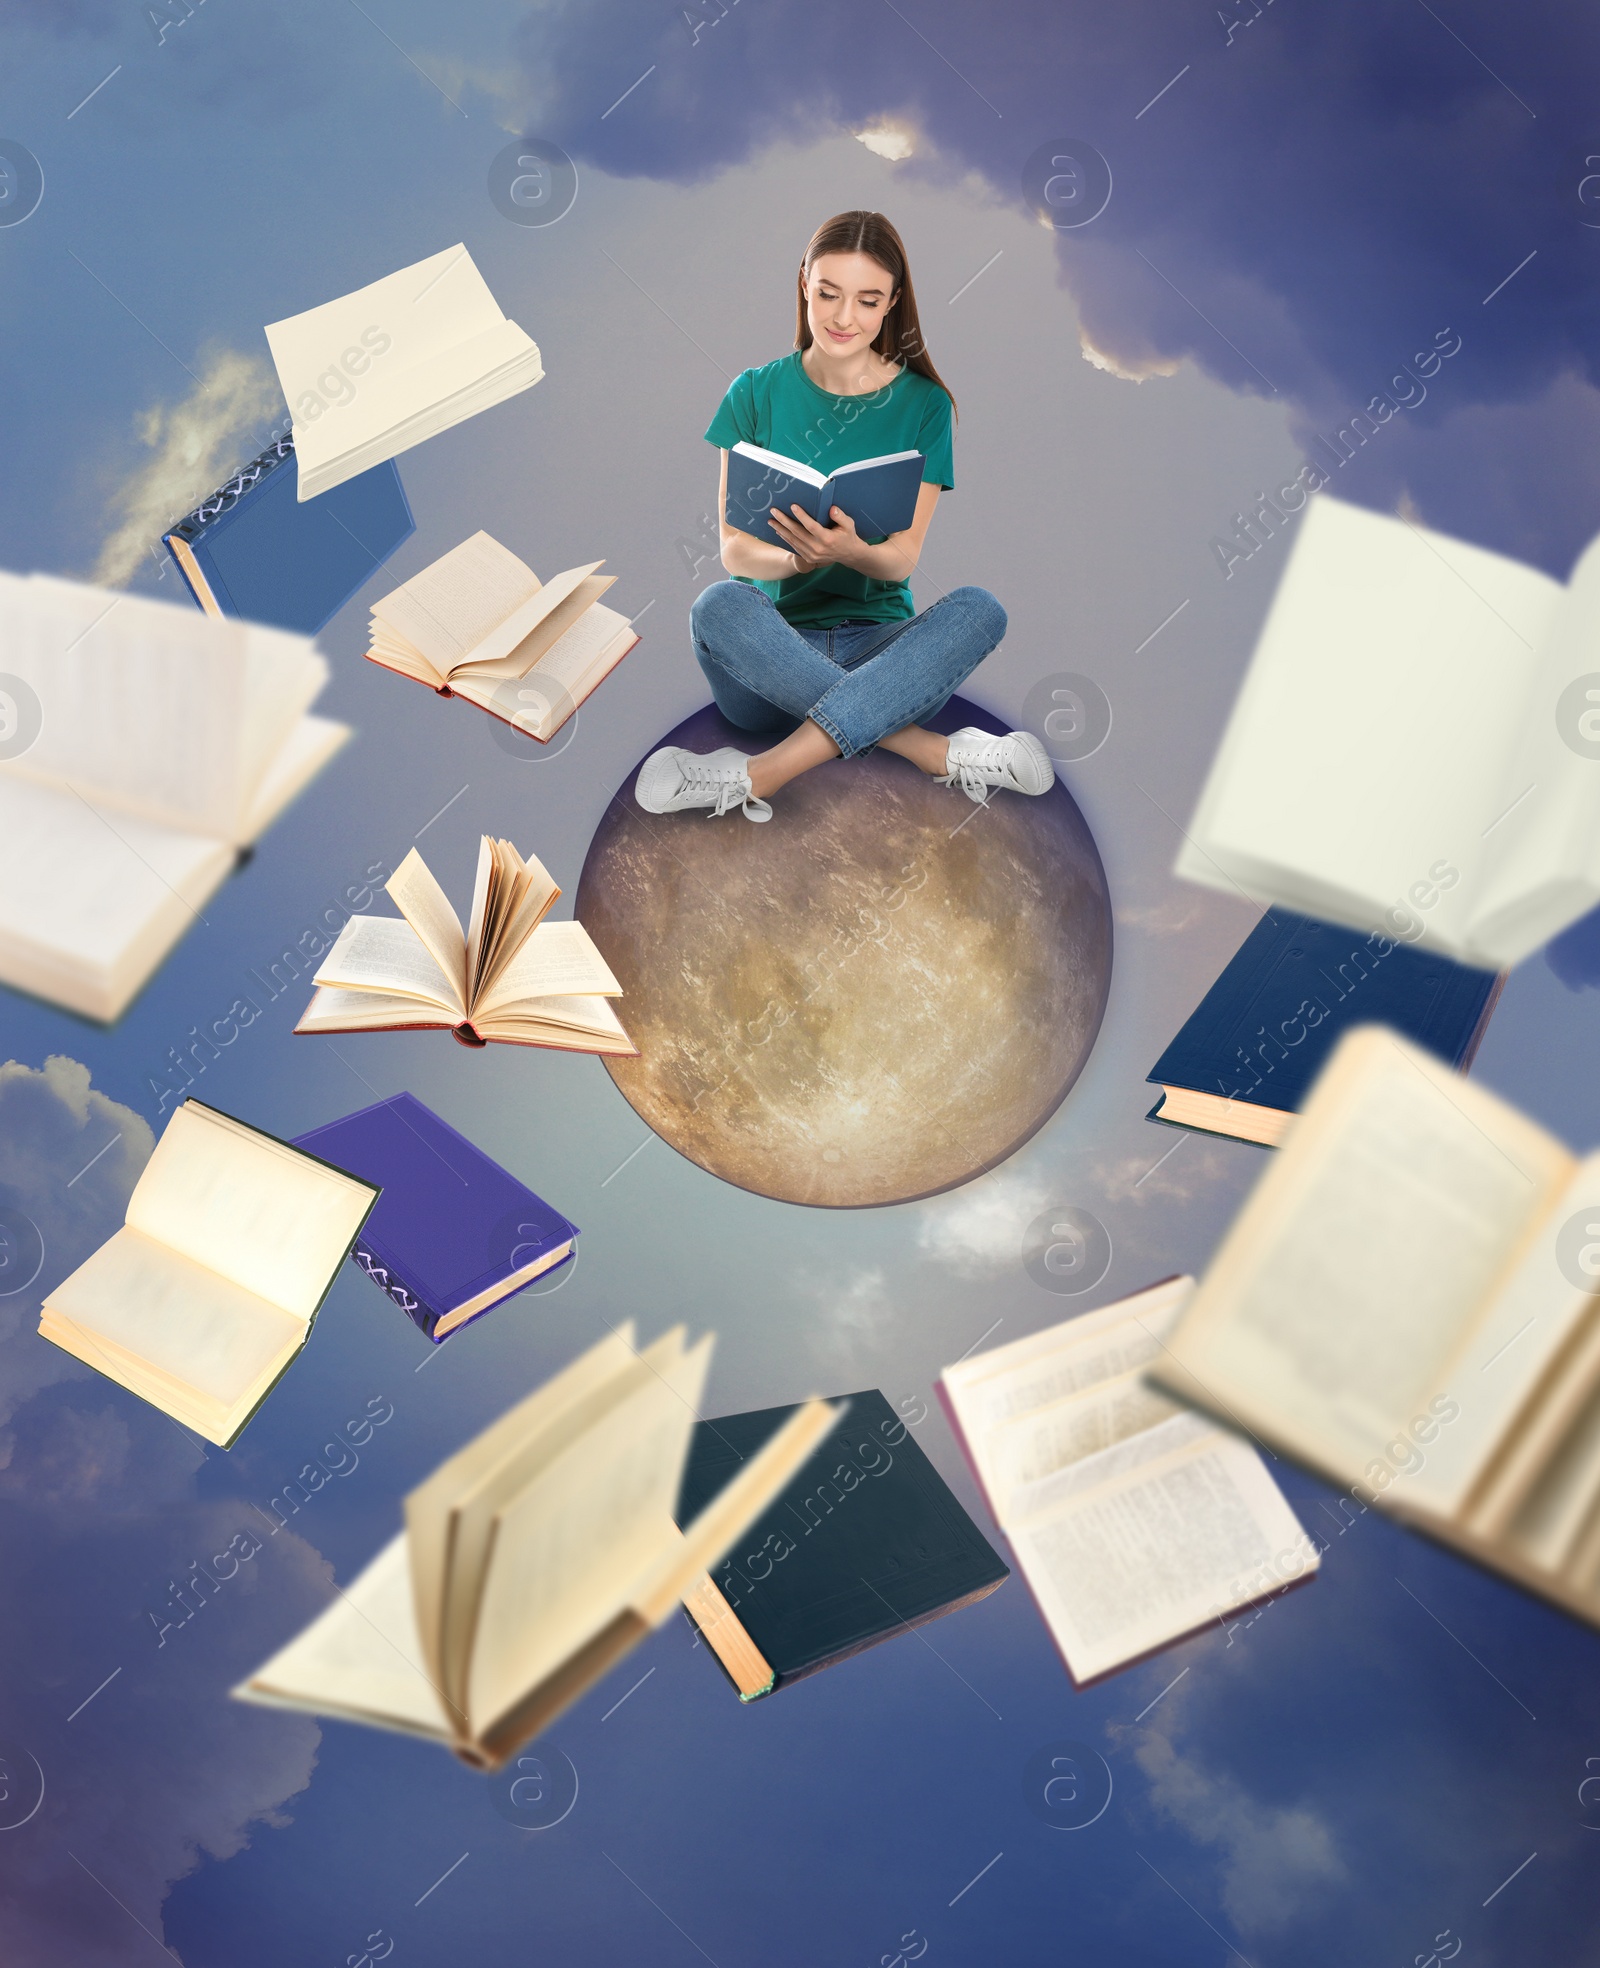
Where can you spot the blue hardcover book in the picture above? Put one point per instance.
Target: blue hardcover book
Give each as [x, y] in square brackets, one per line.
[253, 550]
[1248, 1053]
[879, 494]
[453, 1233]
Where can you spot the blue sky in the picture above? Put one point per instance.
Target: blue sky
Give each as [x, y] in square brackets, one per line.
[1304, 207]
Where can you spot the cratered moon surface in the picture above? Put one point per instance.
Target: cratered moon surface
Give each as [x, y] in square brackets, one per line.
[879, 994]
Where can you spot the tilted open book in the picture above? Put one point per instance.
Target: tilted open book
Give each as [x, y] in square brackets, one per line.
[511, 977]
[1407, 1303]
[534, 1559]
[1415, 745]
[162, 743]
[1134, 1522]
[207, 1293]
[477, 624]
[374, 372]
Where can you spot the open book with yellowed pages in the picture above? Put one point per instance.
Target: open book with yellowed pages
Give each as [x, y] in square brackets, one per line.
[510, 976]
[1407, 1303]
[535, 1558]
[479, 624]
[204, 1297]
[1133, 1521]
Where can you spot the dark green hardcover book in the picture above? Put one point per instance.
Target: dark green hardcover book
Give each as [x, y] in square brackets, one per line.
[866, 1542]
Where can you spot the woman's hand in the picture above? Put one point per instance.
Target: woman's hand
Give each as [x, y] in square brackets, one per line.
[816, 546]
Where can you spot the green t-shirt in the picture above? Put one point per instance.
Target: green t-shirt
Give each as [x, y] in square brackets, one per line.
[781, 409]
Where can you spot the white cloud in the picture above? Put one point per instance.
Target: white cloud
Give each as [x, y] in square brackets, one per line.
[886, 140]
[1273, 1856]
[1127, 368]
[195, 443]
[978, 1230]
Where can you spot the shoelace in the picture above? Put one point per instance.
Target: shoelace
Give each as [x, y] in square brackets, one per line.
[730, 791]
[972, 774]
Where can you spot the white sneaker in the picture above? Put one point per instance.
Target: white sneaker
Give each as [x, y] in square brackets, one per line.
[978, 760]
[672, 779]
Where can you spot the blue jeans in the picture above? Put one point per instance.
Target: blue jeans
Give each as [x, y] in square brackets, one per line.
[859, 681]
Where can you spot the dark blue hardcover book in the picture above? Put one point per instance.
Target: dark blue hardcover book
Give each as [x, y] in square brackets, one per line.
[453, 1234]
[1247, 1055]
[866, 1541]
[879, 494]
[252, 549]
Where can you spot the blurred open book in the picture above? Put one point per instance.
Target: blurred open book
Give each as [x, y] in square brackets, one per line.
[535, 1558]
[478, 624]
[1414, 748]
[510, 976]
[1407, 1302]
[162, 742]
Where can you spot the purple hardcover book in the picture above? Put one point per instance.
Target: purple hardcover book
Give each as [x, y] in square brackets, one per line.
[452, 1233]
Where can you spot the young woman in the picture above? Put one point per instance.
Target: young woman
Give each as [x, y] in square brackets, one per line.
[822, 629]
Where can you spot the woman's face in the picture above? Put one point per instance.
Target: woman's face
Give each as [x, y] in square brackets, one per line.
[847, 297]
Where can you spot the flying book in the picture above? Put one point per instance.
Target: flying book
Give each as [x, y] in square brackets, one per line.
[1245, 1057]
[252, 549]
[373, 373]
[163, 744]
[1407, 1303]
[511, 977]
[879, 494]
[534, 1559]
[1134, 1521]
[1413, 747]
[204, 1297]
[865, 1542]
[478, 624]
[453, 1234]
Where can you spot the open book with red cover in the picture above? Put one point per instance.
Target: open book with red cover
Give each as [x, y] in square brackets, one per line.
[479, 624]
[509, 977]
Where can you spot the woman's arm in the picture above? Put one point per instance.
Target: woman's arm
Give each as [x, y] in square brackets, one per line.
[741, 554]
[812, 546]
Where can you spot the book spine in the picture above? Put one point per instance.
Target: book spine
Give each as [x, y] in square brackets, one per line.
[193, 524]
[383, 1276]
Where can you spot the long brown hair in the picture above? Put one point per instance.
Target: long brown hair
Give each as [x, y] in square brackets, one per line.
[900, 337]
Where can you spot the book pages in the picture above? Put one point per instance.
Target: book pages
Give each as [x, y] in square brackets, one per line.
[1134, 1521]
[361, 1660]
[1364, 760]
[375, 371]
[143, 702]
[1542, 861]
[92, 898]
[1158, 1550]
[249, 1209]
[424, 904]
[1506, 1357]
[195, 1327]
[1403, 1186]
[566, 1549]
[384, 953]
[447, 610]
[557, 959]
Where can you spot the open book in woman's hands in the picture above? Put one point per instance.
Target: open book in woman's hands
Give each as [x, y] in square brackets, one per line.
[510, 976]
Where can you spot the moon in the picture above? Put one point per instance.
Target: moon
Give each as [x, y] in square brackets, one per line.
[877, 995]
